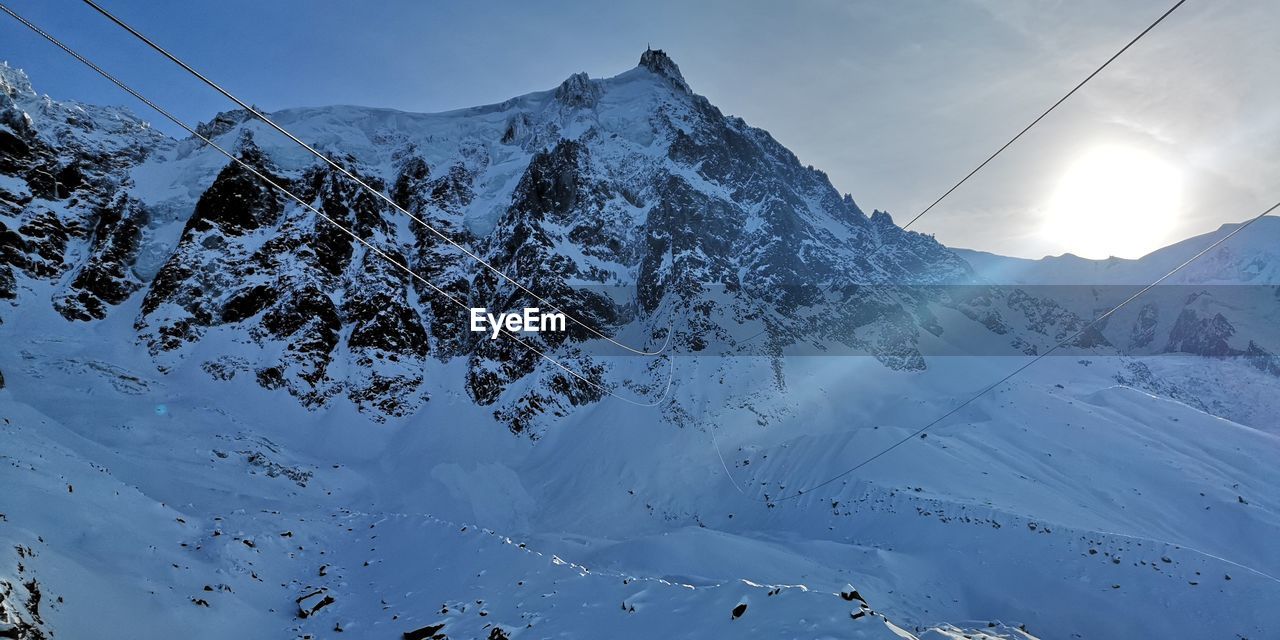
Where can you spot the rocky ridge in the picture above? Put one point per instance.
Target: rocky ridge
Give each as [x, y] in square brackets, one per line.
[631, 202]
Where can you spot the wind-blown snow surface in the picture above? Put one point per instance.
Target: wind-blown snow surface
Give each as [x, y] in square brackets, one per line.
[150, 507]
[1092, 509]
[1091, 497]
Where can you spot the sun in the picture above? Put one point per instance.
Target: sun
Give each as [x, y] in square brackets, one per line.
[1114, 200]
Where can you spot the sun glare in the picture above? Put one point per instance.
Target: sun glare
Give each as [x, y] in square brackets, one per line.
[1114, 201]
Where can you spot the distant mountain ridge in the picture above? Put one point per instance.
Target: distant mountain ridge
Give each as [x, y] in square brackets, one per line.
[1251, 257]
[1226, 303]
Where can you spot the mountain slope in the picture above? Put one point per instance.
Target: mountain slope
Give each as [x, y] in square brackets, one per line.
[237, 396]
[1225, 307]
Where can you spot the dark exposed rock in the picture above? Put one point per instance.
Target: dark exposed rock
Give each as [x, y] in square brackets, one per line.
[248, 302]
[578, 91]
[377, 312]
[410, 182]
[1262, 360]
[657, 61]
[440, 202]
[46, 236]
[851, 595]
[8, 284]
[1144, 328]
[311, 603]
[12, 148]
[223, 122]
[273, 469]
[552, 191]
[1049, 318]
[106, 277]
[20, 617]
[1200, 335]
[310, 322]
[238, 201]
[308, 307]
[429, 632]
[1140, 376]
[294, 278]
[348, 204]
[184, 298]
[518, 129]
[386, 328]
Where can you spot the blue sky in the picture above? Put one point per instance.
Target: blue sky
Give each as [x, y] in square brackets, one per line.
[894, 100]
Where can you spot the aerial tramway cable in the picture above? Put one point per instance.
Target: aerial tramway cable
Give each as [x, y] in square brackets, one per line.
[1006, 145]
[1040, 117]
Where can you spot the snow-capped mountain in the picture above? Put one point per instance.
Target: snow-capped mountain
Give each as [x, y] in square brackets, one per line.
[227, 417]
[1249, 258]
[632, 181]
[1224, 306]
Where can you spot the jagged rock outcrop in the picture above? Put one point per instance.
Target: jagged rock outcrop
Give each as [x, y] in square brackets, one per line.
[659, 63]
[1206, 336]
[1143, 332]
[63, 170]
[106, 277]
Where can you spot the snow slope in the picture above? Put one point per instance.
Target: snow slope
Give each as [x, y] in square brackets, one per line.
[321, 450]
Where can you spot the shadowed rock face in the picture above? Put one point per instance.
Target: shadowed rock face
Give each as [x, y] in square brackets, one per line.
[293, 282]
[1206, 336]
[1143, 333]
[660, 64]
[20, 616]
[208, 263]
[62, 206]
[107, 278]
[238, 202]
[13, 254]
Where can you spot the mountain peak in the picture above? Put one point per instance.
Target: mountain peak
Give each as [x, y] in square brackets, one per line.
[658, 62]
[14, 82]
[578, 91]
